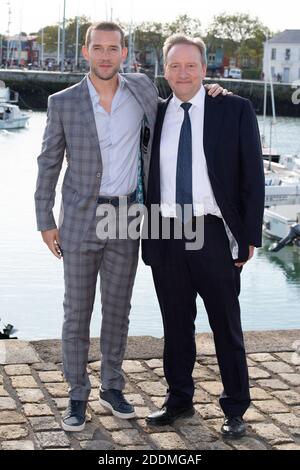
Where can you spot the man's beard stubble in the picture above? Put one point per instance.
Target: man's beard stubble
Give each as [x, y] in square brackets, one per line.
[106, 77]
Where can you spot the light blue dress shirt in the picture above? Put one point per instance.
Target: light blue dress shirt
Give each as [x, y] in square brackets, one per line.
[119, 140]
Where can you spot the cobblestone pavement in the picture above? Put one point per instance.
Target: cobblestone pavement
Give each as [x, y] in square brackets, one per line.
[33, 394]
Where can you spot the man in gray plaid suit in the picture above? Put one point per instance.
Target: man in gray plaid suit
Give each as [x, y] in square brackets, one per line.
[104, 125]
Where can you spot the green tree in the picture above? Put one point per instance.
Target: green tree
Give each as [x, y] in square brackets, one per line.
[50, 38]
[50, 35]
[152, 35]
[83, 23]
[241, 35]
[185, 25]
[238, 27]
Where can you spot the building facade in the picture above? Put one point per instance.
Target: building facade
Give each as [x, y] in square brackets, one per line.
[282, 57]
[20, 50]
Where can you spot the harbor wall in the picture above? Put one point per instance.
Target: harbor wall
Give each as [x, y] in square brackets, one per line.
[34, 87]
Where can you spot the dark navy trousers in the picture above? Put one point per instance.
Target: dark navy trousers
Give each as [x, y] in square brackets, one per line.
[211, 273]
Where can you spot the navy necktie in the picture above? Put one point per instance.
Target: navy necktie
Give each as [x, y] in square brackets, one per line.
[184, 175]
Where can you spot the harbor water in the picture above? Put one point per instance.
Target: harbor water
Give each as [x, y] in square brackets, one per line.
[31, 278]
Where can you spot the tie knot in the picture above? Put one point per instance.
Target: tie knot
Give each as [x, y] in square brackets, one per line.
[186, 106]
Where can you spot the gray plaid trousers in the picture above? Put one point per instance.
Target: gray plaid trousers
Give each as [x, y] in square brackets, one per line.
[116, 262]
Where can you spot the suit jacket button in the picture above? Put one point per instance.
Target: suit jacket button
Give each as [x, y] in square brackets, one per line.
[98, 175]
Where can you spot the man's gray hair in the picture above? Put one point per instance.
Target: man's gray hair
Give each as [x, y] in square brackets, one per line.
[182, 39]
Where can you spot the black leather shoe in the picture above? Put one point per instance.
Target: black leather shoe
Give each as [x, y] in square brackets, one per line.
[169, 415]
[233, 427]
[74, 417]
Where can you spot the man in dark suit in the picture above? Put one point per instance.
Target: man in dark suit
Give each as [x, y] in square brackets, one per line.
[206, 157]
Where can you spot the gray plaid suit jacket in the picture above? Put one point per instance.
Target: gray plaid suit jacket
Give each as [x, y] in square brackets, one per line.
[71, 130]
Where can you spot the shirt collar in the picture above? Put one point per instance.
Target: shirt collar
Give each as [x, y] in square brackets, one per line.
[93, 92]
[197, 100]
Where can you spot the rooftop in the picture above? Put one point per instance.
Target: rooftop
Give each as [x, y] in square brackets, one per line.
[289, 36]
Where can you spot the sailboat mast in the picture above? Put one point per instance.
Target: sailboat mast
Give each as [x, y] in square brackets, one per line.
[272, 98]
[58, 38]
[263, 137]
[63, 45]
[8, 33]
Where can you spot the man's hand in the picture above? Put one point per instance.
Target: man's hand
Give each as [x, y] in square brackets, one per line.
[251, 253]
[214, 90]
[51, 238]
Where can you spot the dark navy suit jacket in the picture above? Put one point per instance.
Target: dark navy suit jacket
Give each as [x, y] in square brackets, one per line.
[235, 168]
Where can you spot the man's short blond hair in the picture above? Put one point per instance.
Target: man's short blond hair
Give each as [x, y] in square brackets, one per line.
[182, 39]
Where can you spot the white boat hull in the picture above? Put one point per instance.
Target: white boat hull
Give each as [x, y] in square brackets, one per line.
[14, 124]
[278, 220]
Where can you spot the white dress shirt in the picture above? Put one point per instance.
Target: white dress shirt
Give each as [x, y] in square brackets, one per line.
[119, 140]
[203, 198]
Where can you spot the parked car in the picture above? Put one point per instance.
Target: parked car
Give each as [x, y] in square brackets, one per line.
[235, 73]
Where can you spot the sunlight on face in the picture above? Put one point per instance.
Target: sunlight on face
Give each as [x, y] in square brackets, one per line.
[184, 70]
[105, 54]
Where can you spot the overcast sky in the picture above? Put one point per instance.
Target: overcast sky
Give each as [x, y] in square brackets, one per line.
[30, 15]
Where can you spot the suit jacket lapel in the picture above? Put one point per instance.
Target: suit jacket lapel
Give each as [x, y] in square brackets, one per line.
[138, 90]
[154, 180]
[213, 117]
[162, 109]
[87, 115]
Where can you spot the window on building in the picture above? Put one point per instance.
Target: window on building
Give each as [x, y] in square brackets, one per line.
[287, 54]
[273, 54]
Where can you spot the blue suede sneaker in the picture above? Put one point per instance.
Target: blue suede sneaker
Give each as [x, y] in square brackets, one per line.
[74, 417]
[115, 401]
